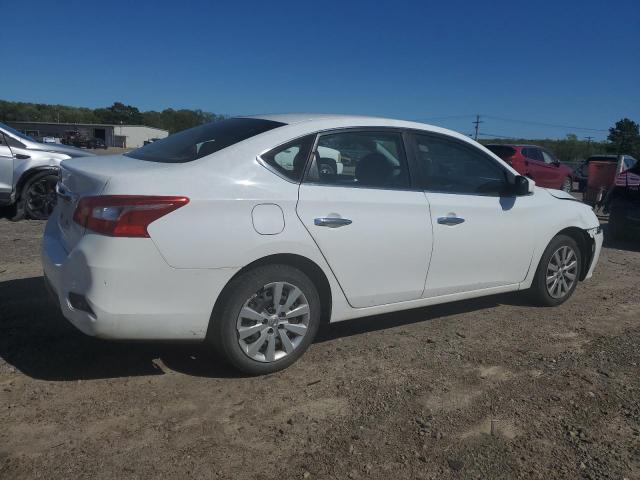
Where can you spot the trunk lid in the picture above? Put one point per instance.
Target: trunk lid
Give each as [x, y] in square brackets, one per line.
[88, 176]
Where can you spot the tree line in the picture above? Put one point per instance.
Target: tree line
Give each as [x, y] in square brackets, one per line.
[117, 114]
[624, 136]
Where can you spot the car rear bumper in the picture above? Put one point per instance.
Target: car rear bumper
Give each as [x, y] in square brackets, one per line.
[122, 288]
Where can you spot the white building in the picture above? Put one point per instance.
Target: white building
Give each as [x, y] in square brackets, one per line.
[136, 135]
[124, 136]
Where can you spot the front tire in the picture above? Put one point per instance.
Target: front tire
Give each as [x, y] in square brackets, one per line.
[558, 272]
[38, 197]
[268, 319]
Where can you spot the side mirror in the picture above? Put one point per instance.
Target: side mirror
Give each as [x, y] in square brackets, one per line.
[522, 186]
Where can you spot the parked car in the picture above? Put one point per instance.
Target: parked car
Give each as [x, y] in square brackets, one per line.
[623, 204]
[580, 173]
[536, 163]
[232, 245]
[96, 143]
[75, 138]
[29, 172]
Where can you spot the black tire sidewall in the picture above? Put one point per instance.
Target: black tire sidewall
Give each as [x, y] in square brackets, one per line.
[539, 287]
[22, 202]
[223, 334]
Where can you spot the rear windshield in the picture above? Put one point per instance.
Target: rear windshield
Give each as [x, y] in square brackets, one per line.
[203, 140]
[502, 151]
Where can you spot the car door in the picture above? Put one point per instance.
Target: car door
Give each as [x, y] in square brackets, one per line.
[370, 222]
[6, 168]
[481, 238]
[541, 172]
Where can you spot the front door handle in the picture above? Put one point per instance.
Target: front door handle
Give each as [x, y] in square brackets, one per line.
[450, 220]
[331, 222]
[21, 156]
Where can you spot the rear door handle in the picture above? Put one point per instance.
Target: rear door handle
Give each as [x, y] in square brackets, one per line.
[21, 156]
[331, 222]
[450, 220]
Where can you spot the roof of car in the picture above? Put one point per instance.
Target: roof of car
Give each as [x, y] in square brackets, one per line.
[519, 145]
[292, 118]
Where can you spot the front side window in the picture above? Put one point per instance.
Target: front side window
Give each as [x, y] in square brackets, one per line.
[548, 158]
[360, 159]
[290, 159]
[198, 142]
[448, 166]
[533, 154]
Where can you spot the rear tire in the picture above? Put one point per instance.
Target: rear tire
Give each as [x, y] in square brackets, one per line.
[257, 329]
[558, 272]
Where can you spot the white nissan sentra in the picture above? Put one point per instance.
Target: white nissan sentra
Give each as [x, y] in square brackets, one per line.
[242, 234]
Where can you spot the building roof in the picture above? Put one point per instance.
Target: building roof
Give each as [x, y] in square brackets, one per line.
[76, 124]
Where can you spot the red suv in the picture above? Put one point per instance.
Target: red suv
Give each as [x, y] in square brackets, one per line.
[536, 163]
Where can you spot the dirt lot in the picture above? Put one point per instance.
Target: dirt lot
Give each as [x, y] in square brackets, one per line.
[489, 388]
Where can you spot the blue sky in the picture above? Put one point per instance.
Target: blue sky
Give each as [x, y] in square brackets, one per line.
[562, 62]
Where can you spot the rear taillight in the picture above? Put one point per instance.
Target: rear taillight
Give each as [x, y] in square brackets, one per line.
[124, 215]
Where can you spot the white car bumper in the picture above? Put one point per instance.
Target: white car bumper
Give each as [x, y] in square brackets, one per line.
[597, 236]
[122, 288]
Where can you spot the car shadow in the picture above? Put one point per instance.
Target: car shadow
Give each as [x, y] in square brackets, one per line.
[423, 314]
[37, 340]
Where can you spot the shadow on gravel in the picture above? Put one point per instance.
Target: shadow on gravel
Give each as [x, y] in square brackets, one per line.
[408, 317]
[37, 340]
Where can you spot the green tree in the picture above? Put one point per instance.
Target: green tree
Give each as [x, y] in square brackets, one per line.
[119, 114]
[625, 137]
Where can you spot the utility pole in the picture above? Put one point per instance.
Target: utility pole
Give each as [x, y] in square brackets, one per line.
[477, 124]
[589, 139]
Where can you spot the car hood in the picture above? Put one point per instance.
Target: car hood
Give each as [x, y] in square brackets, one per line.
[560, 194]
[57, 148]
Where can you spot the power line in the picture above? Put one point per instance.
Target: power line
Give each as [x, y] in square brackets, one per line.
[529, 122]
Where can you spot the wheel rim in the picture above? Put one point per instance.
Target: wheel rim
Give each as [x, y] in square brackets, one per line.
[273, 322]
[566, 186]
[41, 197]
[562, 271]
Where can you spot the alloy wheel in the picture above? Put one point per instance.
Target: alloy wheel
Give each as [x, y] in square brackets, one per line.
[40, 198]
[567, 185]
[562, 271]
[272, 322]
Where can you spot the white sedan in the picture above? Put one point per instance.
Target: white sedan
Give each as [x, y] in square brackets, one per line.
[215, 234]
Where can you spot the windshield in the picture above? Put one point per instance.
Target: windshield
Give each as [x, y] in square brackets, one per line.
[203, 140]
[16, 133]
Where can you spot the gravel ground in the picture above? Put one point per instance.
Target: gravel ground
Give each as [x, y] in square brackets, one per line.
[489, 388]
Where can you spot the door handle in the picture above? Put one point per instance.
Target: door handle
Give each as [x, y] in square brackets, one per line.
[331, 222]
[21, 156]
[450, 220]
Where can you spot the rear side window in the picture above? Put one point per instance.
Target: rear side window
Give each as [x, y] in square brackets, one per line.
[369, 159]
[290, 159]
[502, 151]
[203, 140]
